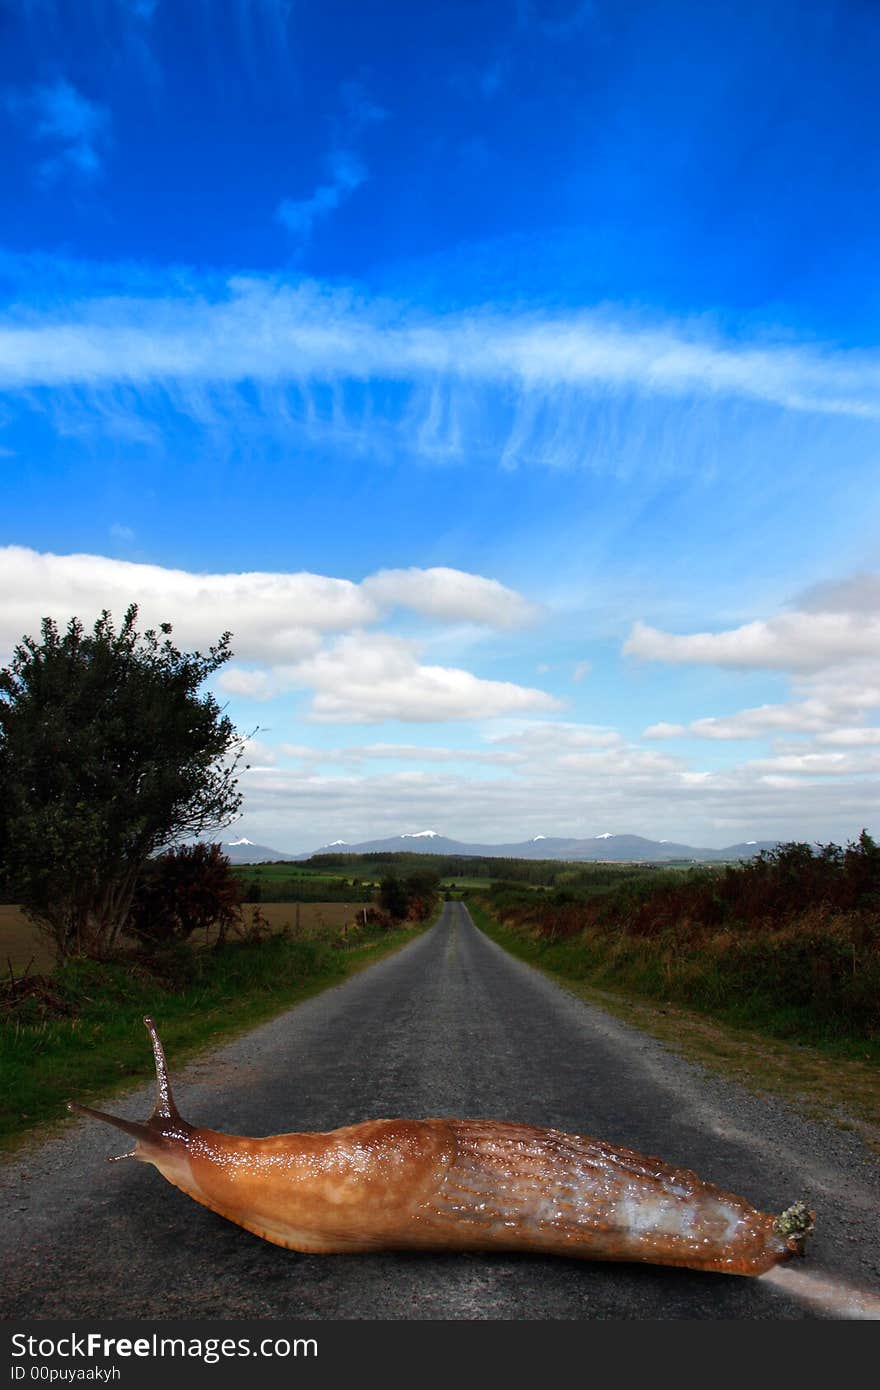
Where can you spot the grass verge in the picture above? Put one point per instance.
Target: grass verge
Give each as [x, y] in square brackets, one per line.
[90, 1043]
[817, 1079]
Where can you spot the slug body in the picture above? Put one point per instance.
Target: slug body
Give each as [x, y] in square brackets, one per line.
[445, 1184]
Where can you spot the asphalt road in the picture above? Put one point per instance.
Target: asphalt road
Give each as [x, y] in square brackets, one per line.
[451, 1025]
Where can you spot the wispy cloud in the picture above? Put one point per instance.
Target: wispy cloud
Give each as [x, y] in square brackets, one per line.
[360, 109]
[346, 169]
[347, 173]
[272, 331]
[76, 128]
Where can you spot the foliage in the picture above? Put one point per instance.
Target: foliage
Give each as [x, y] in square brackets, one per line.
[790, 939]
[188, 889]
[108, 754]
[408, 898]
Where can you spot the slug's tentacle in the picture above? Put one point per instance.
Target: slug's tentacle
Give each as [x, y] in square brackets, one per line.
[446, 1184]
[165, 1124]
[165, 1108]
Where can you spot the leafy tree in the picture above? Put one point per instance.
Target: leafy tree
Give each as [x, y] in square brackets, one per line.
[409, 897]
[187, 889]
[393, 897]
[108, 754]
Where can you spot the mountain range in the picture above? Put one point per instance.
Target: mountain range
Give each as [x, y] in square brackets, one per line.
[600, 848]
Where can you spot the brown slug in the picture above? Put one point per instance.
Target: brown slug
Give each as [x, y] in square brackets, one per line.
[460, 1185]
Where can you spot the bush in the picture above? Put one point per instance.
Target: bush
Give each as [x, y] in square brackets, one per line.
[188, 889]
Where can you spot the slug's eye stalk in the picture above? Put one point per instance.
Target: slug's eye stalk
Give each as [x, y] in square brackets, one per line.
[165, 1107]
[165, 1123]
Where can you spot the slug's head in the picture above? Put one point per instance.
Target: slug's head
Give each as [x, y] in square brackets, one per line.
[164, 1137]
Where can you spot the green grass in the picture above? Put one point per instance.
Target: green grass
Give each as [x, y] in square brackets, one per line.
[98, 1044]
[742, 994]
[833, 1080]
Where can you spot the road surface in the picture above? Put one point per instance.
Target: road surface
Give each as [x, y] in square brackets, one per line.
[451, 1025]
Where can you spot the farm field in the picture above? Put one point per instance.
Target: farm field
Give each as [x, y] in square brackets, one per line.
[22, 945]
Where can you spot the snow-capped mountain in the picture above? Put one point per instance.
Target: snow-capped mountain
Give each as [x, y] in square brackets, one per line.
[604, 847]
[245, 851]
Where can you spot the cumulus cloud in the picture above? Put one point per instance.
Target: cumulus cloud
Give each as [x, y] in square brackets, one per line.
[836, 624]
[790, 642]
[251, 685]
[802, 717]
[368, 678]
[280, 623]
[549, 741]
[451, 595]
[854, 737]
[830, 642]
[275, 617]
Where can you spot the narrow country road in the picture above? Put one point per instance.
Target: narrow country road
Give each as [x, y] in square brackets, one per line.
[450, 1025]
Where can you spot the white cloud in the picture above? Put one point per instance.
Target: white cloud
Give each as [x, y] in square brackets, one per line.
[272, 616]
[451, 595]
[547, 741]
[837, 624]
[367, 678]
[251, 685]
[790, 642]
[395, 752]
[571, 794]
[807, 716]
[820, 764]
[414, 752]
[281, 622]
[854, 737]
[275, 618]
[268, 331]
[582, 669]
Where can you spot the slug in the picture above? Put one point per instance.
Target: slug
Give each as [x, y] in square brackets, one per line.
[459, 1185]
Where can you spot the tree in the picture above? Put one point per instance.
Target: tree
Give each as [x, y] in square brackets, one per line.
[187, 889]
[393, 897]
[108, 754]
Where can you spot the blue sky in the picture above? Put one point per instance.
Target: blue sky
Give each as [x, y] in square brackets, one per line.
[503, 375]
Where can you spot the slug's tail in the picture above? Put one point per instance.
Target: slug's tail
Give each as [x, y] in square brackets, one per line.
[164, 1125]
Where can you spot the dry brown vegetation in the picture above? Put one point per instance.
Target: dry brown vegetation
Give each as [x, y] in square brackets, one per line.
[23, 946]
[789, 942]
